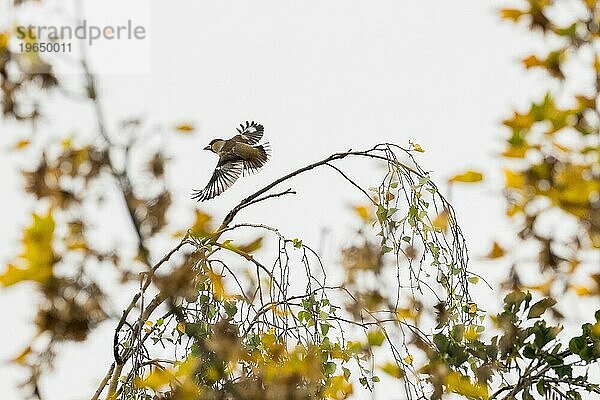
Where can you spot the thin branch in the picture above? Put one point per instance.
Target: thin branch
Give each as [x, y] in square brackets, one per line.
[103, 382]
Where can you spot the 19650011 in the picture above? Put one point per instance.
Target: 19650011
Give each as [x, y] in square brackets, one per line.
[45, 47]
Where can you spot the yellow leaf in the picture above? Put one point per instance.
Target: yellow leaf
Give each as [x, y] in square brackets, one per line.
[460, 384]
[519, 121]
[513, 209]
[496, 252]
[594, 238]
[471, 333]
[407, 313]
[252, 246]
[22, 356]
[409, 359]
[201, 225]
[67, 143]
[467, 177]
[228, 244]
[185, 127]
[512, 14]
[156, 379]
[516, 151]
[513, 179]
[217, 284]
[38, 258]
[179, 376]
[338, 387]
[582, 291]
[364, 212]
[393, 370]
[21, 144]
[375, 337]
[533, 61]
[543, 288]
[417, 147]
[441, 221]
[472, 308]
[3, 40]
[14, 275]
[181, 327]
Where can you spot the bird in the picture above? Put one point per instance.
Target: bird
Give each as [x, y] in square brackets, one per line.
[241, 155]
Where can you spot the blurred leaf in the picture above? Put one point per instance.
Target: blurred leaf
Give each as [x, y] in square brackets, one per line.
[201, 226]
[467, 177]
[407, 313]
[252, 246]
[471, 333]
[440, 222]
[460, 384]
[364, 212]
[21, 144]
[22, 356]
[14, 275]
[552, 63]
[337, 387]
[186, 128]
[540, 307]
[393, 370]
[513, 179]
[38, 256]
[511, 14]
[218, 287]
[375, 337]
[496, 252]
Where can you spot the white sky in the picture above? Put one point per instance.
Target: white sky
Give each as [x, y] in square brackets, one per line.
[322, 76]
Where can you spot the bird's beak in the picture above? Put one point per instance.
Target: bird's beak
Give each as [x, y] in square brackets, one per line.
[207, 148]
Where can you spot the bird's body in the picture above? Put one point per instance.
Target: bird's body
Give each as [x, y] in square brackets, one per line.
[240, 155]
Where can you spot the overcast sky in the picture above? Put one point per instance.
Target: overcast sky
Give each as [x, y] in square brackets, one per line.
[322, 76]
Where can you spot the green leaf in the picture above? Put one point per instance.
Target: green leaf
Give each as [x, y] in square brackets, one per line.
[303, 315]
[330, 368]
[375, 337]
[540, 307]
[346, 372]
[474, 280]
[458, 332]
[541, 387]
[230, 308]
[381, 213]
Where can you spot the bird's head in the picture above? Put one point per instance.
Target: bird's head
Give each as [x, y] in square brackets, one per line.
[215, 145]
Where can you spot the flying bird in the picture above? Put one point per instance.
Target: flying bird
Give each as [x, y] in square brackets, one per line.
[240, 155]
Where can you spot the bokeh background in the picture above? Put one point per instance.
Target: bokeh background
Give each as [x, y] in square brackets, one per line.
[322, 77]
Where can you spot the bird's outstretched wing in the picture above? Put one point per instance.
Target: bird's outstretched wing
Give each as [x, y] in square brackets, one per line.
[253, 157]
[222, 178]
[251, 132]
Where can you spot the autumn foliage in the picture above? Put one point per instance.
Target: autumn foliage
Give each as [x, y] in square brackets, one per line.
[241, 310]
